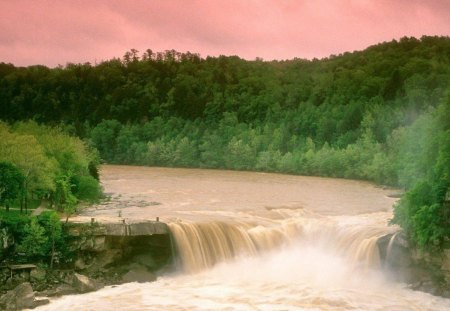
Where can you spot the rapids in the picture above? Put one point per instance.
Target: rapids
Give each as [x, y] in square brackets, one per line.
[253, 241]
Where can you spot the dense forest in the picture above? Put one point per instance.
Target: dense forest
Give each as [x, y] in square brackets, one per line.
[382, 114]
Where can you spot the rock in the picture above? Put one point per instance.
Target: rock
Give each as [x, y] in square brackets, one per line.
[80, 264]
[104, 259]
[138, 273]
[446, 260]
[19, 298]
[83, 284]
[429, 287]
[396, 195]
[99, 243]
[93, 244]
[60, 290]
[446, 293]
[38, 274]
[41, 302]
[146, 260]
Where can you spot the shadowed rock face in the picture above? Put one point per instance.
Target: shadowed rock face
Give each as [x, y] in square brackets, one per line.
[423, 271]
[103, 247]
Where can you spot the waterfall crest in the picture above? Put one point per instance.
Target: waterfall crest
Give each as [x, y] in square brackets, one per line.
[202, 245]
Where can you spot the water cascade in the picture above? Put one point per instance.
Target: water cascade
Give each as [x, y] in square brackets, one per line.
[202, 245]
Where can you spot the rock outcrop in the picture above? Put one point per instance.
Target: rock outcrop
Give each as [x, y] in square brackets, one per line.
[423, 271]
[101, 254]
[84, 284]
[21, 297]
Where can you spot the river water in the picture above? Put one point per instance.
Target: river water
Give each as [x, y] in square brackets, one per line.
[255, 241]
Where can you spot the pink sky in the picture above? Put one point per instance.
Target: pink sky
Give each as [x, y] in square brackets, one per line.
[60, 31]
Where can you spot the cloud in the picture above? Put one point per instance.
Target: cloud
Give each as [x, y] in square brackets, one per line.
[55, 32]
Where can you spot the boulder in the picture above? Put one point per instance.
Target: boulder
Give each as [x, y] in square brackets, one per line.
[60, 290]
[138, 273]
[19, 298]
[83, 284]
[41, 302]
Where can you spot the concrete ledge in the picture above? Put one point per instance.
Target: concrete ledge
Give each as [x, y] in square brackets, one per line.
[135, 229]
[119, 229]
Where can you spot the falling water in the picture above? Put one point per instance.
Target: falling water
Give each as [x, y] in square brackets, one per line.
[202, 245]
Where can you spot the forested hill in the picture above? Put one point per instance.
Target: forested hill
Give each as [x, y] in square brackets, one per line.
[382, 114]
[335, 92]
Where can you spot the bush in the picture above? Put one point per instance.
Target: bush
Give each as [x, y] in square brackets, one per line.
[88, 189]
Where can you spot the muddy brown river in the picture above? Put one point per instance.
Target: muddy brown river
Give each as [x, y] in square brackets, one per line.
[254, 241]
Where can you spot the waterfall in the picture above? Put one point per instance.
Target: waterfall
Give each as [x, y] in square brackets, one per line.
[202, 245]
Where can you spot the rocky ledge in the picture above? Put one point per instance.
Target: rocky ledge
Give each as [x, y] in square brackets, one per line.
[103, 254]
[423, 271]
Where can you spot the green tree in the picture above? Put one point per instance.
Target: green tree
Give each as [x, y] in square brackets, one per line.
[64, 199]
[29, 156]
[35, 240]
[54, 232]
[11, 183]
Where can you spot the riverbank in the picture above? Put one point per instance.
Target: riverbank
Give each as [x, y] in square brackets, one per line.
[102, 254]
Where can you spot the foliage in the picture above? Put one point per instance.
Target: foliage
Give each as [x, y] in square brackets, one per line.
[34, 242]
[424, 212]
[11, 183]
[49, 160]
[35, 238]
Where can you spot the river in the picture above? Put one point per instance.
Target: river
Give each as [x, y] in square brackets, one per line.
[255, 241]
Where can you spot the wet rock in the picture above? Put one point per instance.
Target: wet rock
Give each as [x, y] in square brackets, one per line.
[446, 293]
[19, 298]
[396, 195]
[146, 260]
[84, 284]
[396, 256]
[60, 290]
[138, 273]
[429, 287]
[41, 302]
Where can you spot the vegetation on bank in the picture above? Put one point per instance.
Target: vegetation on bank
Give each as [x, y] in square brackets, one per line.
[41, 165]
[379, 114]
